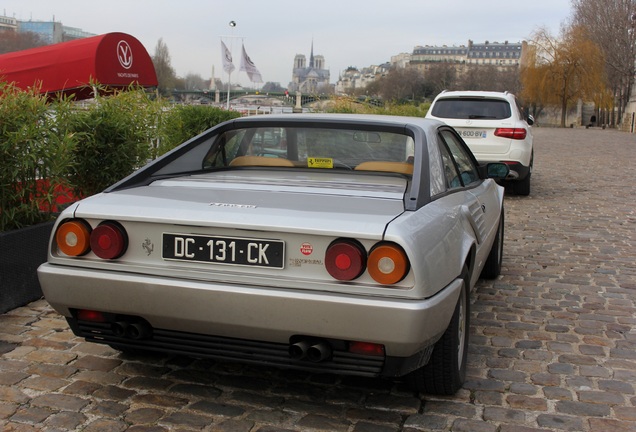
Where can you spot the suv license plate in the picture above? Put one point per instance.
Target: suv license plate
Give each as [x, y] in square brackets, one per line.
[224, 250]
[472, 133]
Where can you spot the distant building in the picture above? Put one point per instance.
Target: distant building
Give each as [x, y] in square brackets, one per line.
[499, 54]
[72, 33]
[439, 54]
[49, 32]
[312, 78]
[52, 31]
[8, 23]
[401, 60]
[502, 55]
[354, 79]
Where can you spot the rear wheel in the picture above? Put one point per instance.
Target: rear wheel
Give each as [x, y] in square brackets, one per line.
[492, 268]
[445, 372]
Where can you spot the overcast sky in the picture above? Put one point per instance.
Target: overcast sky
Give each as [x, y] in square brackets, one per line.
[347, 33]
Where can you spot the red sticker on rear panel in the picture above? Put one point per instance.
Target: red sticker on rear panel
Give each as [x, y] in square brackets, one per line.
[306, 248]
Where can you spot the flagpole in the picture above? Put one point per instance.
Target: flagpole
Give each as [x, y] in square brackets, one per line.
[232, 25]
[247, 64]
[229, 85]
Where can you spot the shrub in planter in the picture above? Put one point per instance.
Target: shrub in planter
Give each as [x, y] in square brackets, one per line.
[35, 153]
[115, 135]
[183, 122]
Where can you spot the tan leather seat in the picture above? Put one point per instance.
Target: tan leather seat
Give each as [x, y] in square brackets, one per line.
[386, 166]
[261, 161]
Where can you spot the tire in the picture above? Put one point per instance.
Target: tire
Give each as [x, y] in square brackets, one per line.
[492, 268]
[445, 372]
[522, 187]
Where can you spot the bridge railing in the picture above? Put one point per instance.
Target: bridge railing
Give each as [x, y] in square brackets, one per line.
[297, 100]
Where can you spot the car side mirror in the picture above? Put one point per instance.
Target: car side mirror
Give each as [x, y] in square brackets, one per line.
[530, 120]
[497, 170]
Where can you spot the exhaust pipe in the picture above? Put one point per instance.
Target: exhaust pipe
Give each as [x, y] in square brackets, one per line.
[298, 351]
[119, 328]
[513, 175]
[319, 352]
[138, 330]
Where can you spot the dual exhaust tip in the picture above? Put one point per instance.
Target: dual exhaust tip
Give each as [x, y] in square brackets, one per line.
[314, 351]
[132, 330]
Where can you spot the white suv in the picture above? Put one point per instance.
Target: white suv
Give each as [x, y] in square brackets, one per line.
[495, 128]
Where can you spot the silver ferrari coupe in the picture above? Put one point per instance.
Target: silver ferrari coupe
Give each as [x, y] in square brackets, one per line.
[343, 244]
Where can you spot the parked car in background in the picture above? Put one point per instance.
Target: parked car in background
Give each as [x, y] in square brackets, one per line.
[494, 126]
[343, 244]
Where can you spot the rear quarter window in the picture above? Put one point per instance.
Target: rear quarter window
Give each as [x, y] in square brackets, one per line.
[466, 108]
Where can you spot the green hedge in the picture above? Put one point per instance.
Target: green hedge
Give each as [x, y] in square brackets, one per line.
[183, 122]
[115, 135]
[49, 147]
[35, 153]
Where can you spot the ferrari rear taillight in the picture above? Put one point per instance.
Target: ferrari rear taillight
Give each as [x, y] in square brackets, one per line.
[512, 133]
[109, 240]
[347, 260]
[73, 237]
[388, 263]
[76, 237]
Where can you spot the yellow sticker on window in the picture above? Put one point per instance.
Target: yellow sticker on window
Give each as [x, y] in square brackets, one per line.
[319, 162]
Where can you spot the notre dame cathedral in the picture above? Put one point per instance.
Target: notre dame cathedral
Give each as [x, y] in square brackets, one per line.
[312, 78]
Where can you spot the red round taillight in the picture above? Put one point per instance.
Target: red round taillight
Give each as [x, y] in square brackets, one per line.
[345, 260]
[388, 263]
[109, 240]
[73, 237]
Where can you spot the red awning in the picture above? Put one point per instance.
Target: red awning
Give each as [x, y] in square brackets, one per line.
[116, 60]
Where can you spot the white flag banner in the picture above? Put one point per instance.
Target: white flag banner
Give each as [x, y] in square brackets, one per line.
[250, 68]
[228, 66]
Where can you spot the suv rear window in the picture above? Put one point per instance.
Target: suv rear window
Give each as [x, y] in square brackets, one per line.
[466, 108]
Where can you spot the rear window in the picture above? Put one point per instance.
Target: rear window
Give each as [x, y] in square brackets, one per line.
[311, 147]
[299, 147]
[466, 108]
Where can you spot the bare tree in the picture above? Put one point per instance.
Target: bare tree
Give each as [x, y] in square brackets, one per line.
[560, 71]
[398, 85]
[165, 72]
[194, 81]
[273, 87]
[490, 78]
[441, 76]
[11, 41]
[610, 24]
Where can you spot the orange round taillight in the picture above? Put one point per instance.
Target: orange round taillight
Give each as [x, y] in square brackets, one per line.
[345, 259]
[73, 237]
[387, 263]
[109, 240]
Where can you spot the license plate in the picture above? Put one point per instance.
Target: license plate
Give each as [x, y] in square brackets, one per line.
[472, 133]
[224, 250]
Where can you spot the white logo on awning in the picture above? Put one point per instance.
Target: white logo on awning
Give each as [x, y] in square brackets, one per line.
[124, 54]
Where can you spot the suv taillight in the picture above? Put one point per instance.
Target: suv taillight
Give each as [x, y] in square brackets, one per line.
[512, 133]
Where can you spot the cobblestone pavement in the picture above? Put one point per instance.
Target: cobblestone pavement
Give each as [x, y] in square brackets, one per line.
[553, 340]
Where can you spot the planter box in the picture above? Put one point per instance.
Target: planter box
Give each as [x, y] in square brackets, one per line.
[21, 253]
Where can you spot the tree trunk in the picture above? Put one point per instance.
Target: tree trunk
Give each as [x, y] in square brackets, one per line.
[564, 110]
